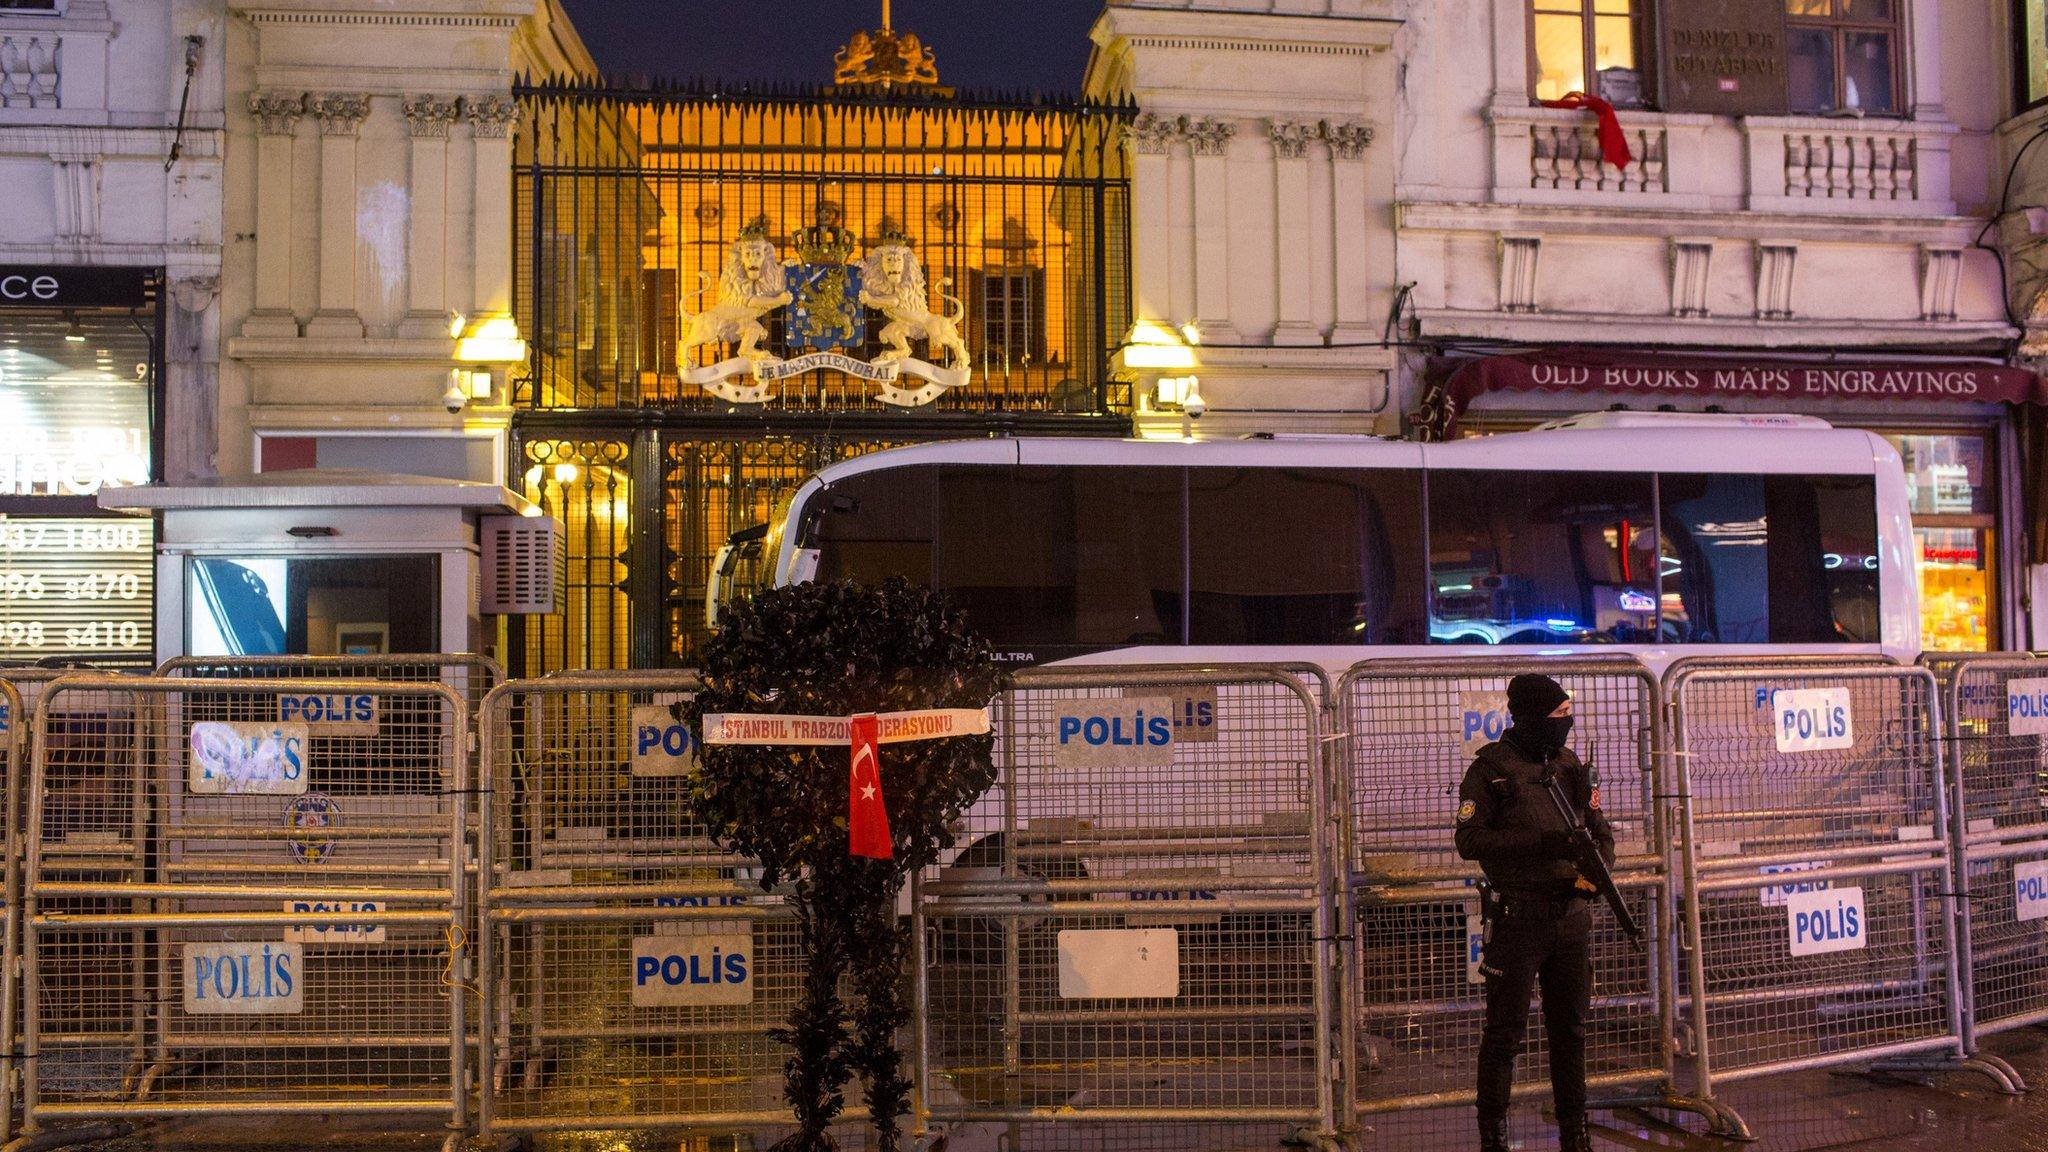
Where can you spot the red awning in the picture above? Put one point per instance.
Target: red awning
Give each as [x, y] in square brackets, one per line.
[1681, 377]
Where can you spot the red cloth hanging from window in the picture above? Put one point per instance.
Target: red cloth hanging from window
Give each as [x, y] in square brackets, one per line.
[1613, 141]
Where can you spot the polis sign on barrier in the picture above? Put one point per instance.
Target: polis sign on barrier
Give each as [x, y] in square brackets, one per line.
[682, 971]
[2026, 707]
[1475, 947]
[1119, 963]
[1831, 920]
[333, 928]
[230, 758]
[1812, 719]
[244, 978]
[1128, 732]
[331, 714]
[2030, 890]
[1775, 895]
[1193, 713]
[662, 745]
[1482, 718]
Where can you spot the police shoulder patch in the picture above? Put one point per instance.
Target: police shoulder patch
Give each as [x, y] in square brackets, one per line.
[1466, 811]
[1593, 801]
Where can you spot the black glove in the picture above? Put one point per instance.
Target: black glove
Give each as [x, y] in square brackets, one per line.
[1561, 844]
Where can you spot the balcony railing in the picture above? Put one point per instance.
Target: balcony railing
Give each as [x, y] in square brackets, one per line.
[1794, 164]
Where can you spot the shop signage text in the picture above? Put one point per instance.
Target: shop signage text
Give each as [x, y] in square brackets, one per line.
[1816, 382]
[62, 284]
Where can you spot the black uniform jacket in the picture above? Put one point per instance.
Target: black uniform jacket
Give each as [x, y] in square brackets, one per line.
[1504, 811]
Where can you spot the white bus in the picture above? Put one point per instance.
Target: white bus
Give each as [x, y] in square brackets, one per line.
[1658, 535]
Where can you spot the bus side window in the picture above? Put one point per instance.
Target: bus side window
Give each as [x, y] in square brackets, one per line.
[1527, 557]
[1303, 556]
[1771, 559]
[1063, 560]
[874, 525]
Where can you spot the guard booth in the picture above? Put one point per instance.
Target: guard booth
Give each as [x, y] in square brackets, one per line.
[337, 562]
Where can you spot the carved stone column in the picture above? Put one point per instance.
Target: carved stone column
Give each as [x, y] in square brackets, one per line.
[1150, 138]
[1209, 140]
[277, 120]
[1351, 238]
[341, 115]
[77, 176]
[427, 118]
[1775, 263]
[1292, 295]
[192, 378]
[490, 123]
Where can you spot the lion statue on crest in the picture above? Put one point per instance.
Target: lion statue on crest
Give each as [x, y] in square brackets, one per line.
[892, 282]
[751, 285]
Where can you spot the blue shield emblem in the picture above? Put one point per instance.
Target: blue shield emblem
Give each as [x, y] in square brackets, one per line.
[825, 312]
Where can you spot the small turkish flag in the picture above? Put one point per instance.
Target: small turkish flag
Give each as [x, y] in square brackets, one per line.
[867, 821]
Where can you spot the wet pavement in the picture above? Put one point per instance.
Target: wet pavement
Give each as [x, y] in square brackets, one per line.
[1802, 1112]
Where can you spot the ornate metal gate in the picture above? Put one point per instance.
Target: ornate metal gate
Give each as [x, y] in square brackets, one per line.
[656, 223]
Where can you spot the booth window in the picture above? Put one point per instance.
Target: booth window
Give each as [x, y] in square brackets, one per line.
[2030, 42]
[311, 605]
[1843, 56]
[1592, 46]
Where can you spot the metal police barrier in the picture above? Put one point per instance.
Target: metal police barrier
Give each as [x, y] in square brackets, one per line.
[12, 719]
[1133, 928]
[237, 904]
[470, 676]
[632, 968]
[1817, 897]
[30, 681]
[1945, 665]
[1415, 998]
[1997, 713]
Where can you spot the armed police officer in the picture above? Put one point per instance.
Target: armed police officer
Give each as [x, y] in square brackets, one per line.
[1538, 906]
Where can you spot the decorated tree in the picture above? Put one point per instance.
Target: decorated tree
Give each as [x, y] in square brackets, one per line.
[836, 650]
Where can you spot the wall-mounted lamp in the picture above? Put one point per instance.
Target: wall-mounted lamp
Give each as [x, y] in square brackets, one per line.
[1182, 393]
[75, 334]
[465, 385]
[492, 341]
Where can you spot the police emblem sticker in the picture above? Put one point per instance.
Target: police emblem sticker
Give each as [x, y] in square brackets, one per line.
[314, 810]
[1467, 810]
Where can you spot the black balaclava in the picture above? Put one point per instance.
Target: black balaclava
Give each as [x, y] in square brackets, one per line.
[1531, 700]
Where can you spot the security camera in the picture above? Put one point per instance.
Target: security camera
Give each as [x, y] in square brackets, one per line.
[1191, 401]
[456, 397]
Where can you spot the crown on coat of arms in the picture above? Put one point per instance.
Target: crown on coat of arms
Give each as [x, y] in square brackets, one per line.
[755, 229]
[892, 233]
[824, 242]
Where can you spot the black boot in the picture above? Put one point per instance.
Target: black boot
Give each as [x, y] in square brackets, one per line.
[1572, 1136]
[1493, 1134]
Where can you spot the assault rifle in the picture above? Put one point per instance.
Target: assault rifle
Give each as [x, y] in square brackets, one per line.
[1591, 864]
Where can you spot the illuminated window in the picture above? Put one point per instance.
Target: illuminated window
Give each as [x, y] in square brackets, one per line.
[2030, 23]
[1843, 56]
[1574, 40]
[1010, 304]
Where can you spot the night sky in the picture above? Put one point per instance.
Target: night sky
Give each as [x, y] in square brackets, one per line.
[1029, 45]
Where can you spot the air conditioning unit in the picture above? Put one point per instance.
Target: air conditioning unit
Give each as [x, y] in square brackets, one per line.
[526, 565]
